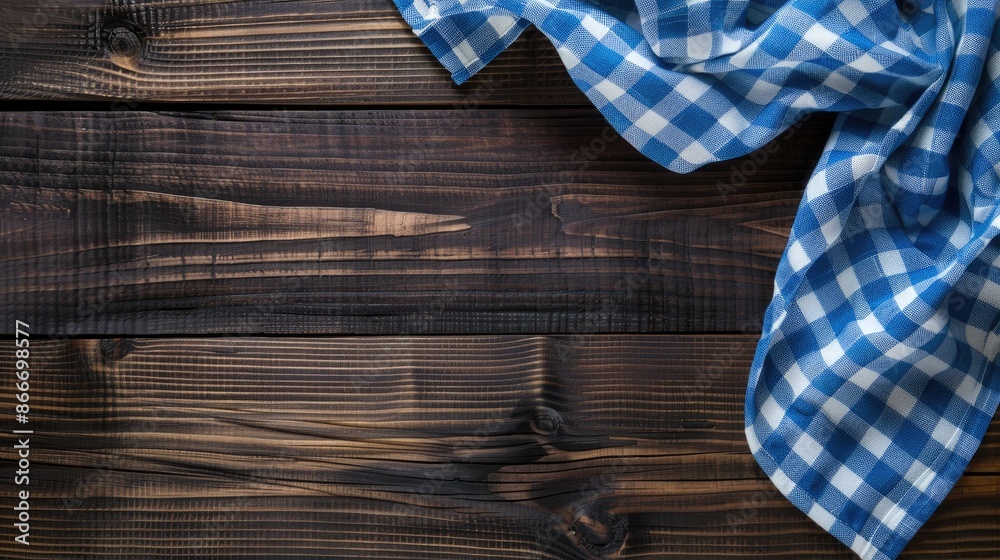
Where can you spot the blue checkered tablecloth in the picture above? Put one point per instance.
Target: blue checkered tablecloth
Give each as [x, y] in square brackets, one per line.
[876, 376]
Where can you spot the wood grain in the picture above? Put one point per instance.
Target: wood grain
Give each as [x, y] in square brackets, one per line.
[432, 208]
[381, 222]
[422, 447]
[252, 51]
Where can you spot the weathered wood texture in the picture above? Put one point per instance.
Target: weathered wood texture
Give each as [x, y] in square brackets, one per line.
[252, 51]
[381, 222]
[453, 221]
[421, 447]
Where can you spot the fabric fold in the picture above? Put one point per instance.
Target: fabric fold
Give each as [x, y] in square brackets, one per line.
[875, 377]
[463, 36]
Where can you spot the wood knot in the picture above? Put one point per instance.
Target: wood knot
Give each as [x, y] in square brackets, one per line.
[113, 349]
[124, 42]
[600, 532]
[546, 421]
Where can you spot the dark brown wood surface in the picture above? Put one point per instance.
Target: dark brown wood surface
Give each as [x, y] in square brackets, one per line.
[422, 447]
[395, 203]
[251, 51]
[381, 222]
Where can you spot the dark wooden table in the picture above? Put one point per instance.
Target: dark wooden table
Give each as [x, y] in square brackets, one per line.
[292, 294]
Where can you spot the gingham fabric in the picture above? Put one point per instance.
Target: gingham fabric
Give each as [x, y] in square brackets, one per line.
[876, 374]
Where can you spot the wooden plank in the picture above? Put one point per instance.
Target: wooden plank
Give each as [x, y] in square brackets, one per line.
[381, 222]
[249, 51]
[421, 447]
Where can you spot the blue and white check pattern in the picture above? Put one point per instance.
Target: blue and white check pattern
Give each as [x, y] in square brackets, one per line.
[876, 374]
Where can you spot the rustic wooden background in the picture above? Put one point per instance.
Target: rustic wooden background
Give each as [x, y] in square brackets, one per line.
[295, 295]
